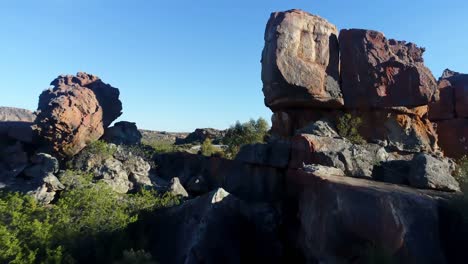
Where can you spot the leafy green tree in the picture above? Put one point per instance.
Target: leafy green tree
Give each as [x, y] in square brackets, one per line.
[253, 131]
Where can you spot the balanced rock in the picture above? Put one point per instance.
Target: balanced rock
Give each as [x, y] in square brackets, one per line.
[75, 111]
[380, 73]
[300, 62]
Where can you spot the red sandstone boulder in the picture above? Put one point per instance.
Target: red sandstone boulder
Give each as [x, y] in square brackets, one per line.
[453, 137]
[75, 112]
[300, 62]
[379, 73]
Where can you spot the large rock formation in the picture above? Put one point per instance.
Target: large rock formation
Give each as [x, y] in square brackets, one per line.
[75, 111]
[214, 228]
[300, 62]
[341, 219]
[379, 73]
[450, 113]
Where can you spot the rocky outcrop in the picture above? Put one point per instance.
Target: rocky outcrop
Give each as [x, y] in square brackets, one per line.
[379, 73]
[300, 62]
[198, 174]
[34, 176]
[122, 170]
[450, 114]
[75, 111]
[200, 135]
[122, 133]
[342, 219]
[214, 228]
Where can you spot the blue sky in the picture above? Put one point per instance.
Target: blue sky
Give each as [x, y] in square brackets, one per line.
[180, 65]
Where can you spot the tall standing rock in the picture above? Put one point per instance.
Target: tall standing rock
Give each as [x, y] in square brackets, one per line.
[380, 73]
[75, 112]
[300, 62]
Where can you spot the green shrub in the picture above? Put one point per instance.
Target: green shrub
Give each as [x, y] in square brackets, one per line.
[77, 228]
[207, 148]
[160, 146]
[26, 231]
[245, 133]
[348, 127]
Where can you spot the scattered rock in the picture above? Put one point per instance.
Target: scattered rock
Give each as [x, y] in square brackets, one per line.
[176, 188]
[300, 62]
[122, 133]
[200, 135]
[42, 165]
[429, 172]
[379, 73]
[354, 160]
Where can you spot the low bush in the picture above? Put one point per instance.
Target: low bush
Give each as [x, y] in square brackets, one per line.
[77, 228]
[348, 127]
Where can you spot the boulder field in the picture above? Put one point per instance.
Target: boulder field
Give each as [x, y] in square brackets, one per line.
[352, 166]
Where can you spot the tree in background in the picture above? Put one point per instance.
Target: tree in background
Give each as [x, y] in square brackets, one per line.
[253, 131]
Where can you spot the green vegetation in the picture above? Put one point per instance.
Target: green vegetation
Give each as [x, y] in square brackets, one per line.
[253, 131]
[207, 148]
[348, 127]
[76, 228]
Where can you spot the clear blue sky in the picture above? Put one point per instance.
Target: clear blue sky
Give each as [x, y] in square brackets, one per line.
[180, 65]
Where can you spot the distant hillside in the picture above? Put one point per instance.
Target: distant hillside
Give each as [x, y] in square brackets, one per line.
[16, 114]
[169, 137]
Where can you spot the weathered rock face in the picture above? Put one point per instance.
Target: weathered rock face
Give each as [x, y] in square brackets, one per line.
[300, 62]
[214, 228]
[335, 212]
[453, 137]
[429, 172]
[379, 73]
[123, 133]
[450, 113]
[354, 160]
[275, 154]
[75, 112]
